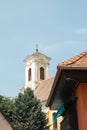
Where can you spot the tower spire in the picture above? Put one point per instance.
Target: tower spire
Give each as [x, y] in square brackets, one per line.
[36, 47]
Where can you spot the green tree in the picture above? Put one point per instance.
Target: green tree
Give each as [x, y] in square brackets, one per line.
[27, 113]
[6, 105]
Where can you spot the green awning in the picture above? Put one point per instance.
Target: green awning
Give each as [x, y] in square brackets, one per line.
[63, 108]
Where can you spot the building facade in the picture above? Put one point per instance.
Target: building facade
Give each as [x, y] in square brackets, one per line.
[69, 93]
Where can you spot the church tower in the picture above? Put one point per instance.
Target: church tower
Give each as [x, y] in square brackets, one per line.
[37, 68]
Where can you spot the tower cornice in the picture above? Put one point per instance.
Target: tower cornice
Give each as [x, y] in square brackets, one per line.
[36, 55]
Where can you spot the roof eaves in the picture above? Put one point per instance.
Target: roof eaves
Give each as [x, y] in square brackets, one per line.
[60, 68]
[54, 84]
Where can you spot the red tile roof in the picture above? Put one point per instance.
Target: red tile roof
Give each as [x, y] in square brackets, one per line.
[77, 61]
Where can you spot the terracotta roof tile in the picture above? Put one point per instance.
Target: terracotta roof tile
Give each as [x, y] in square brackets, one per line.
[77, 60]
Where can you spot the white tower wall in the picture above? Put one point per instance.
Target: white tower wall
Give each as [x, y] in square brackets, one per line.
[34, 62]
[34, 74]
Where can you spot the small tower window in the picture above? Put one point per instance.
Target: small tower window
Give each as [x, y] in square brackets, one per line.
[29, 74]
[42, 73]
[54, 122]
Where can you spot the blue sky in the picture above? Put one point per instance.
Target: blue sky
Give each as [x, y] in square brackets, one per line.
[59, 27]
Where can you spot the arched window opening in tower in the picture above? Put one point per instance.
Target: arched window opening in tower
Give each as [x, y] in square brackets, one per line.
[42, 73]
[29, 74]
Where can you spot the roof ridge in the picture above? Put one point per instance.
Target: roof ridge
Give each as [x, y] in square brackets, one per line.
[74, 59]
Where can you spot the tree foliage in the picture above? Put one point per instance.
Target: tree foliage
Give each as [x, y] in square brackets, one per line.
[6, 104]
[25, 112]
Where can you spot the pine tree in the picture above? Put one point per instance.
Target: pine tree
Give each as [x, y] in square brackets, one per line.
[27, 113]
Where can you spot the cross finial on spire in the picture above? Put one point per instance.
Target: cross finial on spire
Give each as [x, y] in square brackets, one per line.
[37, 47]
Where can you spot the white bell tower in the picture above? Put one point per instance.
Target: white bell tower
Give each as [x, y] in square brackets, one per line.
[37, 69]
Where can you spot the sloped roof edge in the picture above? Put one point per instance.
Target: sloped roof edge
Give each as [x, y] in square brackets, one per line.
[64, 66]
[74, 59]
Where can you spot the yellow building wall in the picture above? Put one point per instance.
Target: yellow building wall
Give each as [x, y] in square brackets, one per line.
[50, 118]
